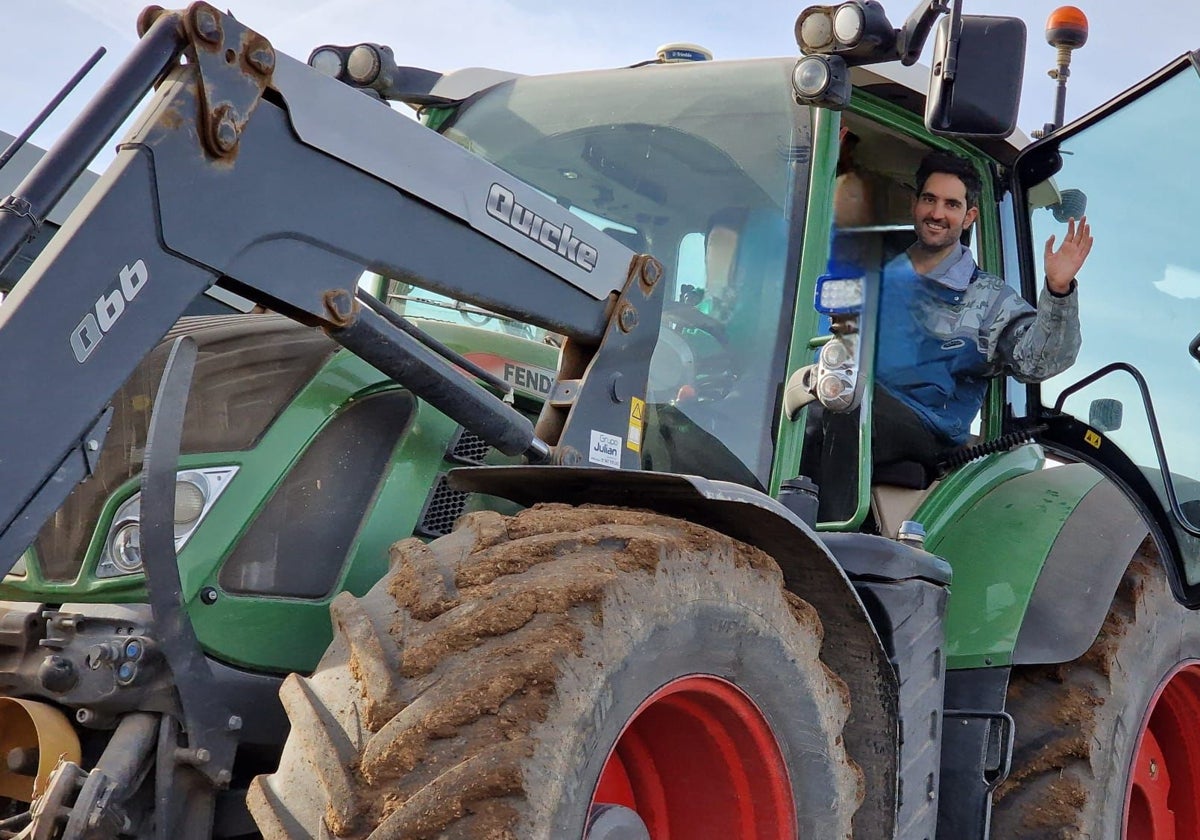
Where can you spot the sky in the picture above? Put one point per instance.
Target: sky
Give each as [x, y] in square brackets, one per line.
[45, 41]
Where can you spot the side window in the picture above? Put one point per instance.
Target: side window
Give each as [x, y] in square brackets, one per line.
[691, 270]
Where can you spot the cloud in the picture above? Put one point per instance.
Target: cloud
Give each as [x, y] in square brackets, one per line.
[1179, 282]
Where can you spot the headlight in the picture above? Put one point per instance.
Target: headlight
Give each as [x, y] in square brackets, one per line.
[835, 393]
[858, 30]
[835, 353]
[190, 499]
[837, 373]
[125, 548]
[195, 493]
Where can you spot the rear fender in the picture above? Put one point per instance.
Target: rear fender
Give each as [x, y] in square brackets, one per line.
[1036, 562]
[852, 647]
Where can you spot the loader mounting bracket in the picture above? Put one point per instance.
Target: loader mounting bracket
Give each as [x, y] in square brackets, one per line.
[231, 59]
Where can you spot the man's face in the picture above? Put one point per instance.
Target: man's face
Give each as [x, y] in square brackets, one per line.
[940, 214]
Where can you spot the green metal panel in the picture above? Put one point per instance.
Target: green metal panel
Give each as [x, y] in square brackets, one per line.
[274, 633]
[291, 633]
[996, 536]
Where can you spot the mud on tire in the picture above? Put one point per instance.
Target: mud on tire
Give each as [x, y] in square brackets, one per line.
[1078, 723]
[476, 690]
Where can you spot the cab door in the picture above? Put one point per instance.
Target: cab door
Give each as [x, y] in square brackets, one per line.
[1131, 402]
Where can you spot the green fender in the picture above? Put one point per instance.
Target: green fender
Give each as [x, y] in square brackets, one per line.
[1036, 561]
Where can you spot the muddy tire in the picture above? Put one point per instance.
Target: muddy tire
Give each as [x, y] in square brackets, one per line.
[1109, 742]
[476, 691]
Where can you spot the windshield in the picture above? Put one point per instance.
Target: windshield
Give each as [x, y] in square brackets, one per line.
[696, 164]
[1139, 293]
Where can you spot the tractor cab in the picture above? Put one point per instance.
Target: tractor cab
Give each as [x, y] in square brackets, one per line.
[723, 174]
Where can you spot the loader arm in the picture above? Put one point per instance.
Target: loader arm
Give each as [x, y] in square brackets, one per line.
[241, 173]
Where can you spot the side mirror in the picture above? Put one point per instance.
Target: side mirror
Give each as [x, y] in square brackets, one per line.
[1072, 204]
[975, 82]
[1105, 415]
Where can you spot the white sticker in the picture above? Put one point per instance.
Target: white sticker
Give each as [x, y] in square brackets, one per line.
[605, 450]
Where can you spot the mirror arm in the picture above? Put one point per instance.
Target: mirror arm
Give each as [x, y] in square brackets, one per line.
[910, 40]
[951, 68]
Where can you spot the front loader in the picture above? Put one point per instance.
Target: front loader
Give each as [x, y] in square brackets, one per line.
[667, 608]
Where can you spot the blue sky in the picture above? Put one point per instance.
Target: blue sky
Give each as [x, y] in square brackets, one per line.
[46, 40]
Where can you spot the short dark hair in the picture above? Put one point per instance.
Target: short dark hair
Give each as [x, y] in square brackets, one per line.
[948, 163]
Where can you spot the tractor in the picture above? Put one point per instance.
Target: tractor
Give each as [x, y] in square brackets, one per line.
[375, 477]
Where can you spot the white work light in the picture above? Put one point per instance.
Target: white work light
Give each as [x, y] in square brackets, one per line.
[326, 61]
[364, 64]
[822, 80]
[839, 295]
[849, 24]
[814, 30]
[857, 30]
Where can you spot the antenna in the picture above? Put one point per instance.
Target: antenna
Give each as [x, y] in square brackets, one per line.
[24, 136]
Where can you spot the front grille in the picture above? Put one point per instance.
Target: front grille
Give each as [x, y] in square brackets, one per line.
[468, 448]
[444, 505]
[442, 509]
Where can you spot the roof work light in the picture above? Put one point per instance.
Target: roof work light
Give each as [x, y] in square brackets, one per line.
[366, 66]
[858, 29]
[822, 80]
[833, 38]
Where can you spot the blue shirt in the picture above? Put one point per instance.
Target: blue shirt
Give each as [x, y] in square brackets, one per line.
[942, 335]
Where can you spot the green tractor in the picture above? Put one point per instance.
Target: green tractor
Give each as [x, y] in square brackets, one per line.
[478, 521]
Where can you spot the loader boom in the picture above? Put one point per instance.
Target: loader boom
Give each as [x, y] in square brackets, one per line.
[240, 174]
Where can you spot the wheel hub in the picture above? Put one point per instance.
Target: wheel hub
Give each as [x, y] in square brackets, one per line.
[697, 759]
[615, 822]
[1162, 802]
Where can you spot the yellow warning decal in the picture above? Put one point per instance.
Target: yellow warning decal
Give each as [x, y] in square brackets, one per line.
[1092, 438]
[637, 422]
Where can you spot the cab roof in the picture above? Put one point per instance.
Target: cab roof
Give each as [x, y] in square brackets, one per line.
[903, 86]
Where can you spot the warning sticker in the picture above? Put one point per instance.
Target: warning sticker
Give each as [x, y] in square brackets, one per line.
[637, 422]
[605, 450]
[1092, 438]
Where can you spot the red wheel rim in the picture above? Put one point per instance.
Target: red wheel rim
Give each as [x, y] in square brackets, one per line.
[1162, 801]
[698, 759]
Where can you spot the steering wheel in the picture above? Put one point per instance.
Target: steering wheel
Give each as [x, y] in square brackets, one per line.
[683, 316]
[709, 375]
